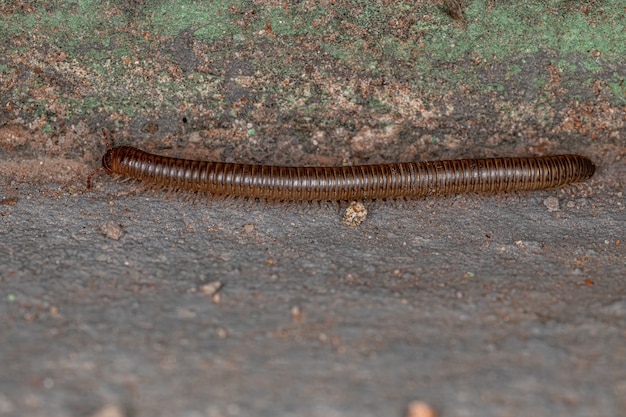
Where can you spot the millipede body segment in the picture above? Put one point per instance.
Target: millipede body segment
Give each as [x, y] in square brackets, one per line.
[411, 179]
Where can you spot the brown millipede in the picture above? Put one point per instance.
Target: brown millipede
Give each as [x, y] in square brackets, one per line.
[380, 181]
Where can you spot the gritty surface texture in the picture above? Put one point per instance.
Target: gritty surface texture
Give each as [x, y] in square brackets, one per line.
[477, 305]
[116, 303]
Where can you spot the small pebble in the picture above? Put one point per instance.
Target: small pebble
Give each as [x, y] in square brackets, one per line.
[249, 228]
[210, 288]
[354, 214]
[112, 230]
[552, 203]
[296, 313]
[110, 410]
[420, 409]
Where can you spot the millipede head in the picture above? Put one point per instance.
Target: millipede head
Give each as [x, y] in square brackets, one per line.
[106, 160]
[108, 155]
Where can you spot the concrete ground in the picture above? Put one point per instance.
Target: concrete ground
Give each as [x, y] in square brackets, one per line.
[477, 305]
